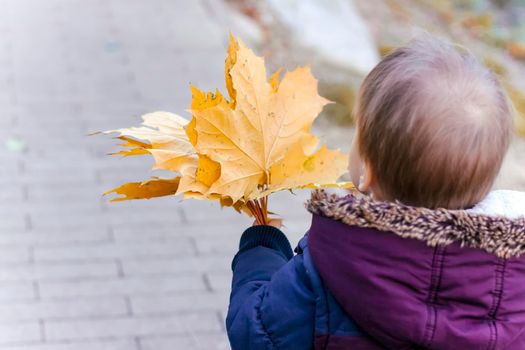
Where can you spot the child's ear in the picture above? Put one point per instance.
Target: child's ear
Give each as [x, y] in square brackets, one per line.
[366, 179]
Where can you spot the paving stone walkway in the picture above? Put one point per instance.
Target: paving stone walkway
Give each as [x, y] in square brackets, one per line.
[77, 272]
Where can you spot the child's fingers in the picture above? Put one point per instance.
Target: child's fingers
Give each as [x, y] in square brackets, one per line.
[278, 223]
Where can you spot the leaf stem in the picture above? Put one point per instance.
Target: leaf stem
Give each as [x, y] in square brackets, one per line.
[259, 209]
[262, 213]
[255, 211]
[263, 202]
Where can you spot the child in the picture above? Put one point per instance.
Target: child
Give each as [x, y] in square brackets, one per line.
[407, 266]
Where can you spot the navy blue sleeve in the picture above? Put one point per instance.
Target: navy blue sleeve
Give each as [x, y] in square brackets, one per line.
[271, 304]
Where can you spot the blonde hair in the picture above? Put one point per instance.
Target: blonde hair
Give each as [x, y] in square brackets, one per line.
[433, 124]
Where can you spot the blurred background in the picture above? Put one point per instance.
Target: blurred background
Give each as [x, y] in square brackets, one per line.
[79, 273]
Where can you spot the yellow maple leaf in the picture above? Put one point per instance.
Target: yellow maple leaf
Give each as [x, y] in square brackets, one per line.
[146, 189]
[198, 178]
[249, 136]
[196, 181]
[231, 58]
[162, 135]
[298, 170]
[134, 147]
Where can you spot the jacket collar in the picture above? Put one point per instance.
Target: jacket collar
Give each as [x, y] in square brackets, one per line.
[499, 235]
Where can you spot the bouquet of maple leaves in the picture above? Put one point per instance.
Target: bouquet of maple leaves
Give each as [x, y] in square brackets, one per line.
[239, 150]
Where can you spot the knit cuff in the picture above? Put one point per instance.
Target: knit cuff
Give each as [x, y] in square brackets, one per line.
[265, 236]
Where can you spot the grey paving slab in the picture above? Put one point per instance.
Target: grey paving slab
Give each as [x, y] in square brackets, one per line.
[10, 239]
[201, 301]
[210, 245]
[180, 264]
[15, 255]
[64, 309]
[16, 291]
[136, 326]
[219, 282]
[102, 344]
[209, 341]
[46, 272]
[112, 250]
[17, 332]
[122, 286]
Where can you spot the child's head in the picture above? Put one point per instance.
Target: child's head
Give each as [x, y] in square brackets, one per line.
[433, 126]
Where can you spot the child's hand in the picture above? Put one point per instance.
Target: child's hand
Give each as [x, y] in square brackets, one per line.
[277, 223]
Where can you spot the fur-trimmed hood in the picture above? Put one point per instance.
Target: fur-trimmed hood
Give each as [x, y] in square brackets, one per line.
[478, 228]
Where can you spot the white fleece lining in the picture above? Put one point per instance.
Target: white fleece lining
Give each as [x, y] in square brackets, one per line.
[505, 203]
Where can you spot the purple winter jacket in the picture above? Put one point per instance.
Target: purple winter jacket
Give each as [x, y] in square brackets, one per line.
[416, 278]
